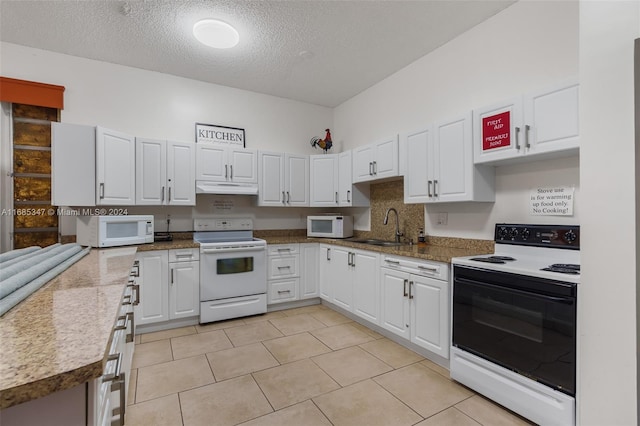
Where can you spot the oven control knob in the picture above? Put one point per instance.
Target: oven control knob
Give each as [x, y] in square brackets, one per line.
[525, 234]
[570, 236]
[514, 233]
[502, 233]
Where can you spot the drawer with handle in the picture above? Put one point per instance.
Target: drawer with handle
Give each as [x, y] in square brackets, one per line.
[282, 291]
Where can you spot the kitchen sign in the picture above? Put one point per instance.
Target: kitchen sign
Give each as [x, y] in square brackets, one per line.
[221, 135]
[496, 131]
[551, 201]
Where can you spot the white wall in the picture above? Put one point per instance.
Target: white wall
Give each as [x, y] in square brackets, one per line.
[607, 387]
[525, 47]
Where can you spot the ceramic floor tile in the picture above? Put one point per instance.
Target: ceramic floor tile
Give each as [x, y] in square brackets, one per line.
[151, 353]
[201, 343]
[365, 403]
[367, 330]
[341, 336]
[296, 324]
[351, 365]
[171, 377]
[489, 413]
[422, 389]
[296, 347]
[450, 417]
[305, 310]
[226, 403]
[163, 411]
[239, 361]
[302, 414]
[167, 334]
[392, 353]
[219, 325]
[437, 368]
[252, 333]
[292, 383]
[131, 398]
[329, 317]
[264, 317]
[137, 340]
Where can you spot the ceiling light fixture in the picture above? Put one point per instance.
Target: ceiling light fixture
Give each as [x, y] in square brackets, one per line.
[214, 33]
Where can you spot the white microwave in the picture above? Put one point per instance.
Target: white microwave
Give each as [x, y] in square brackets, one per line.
[330, 226]
[112, 231]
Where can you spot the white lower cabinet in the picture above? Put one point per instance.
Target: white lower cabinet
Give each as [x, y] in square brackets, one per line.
[309, 274]
[283, 273]
[349, 279]
[415, 302]
[169, 285]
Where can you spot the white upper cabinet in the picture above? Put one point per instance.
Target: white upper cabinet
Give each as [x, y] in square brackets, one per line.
[115, 168]
[165, 172]
[529, 126]
[324, 180]
[216, 163]
[73, 166]
[284, 179]
[440, 168]
[376, 161]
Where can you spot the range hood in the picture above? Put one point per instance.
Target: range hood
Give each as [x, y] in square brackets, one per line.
[208, 187]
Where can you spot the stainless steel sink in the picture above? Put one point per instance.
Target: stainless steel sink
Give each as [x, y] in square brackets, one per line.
[374, 242]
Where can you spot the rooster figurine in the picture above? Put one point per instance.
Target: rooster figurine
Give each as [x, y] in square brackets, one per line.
[324, 144]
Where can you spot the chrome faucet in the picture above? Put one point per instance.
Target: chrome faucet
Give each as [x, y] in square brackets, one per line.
[386, 220]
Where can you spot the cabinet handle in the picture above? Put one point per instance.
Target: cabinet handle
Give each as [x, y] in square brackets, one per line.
[349, 258]
[226, 171]
[169, 198]
[348, 196]
[518, 138]
[435, 188]
[375, 167]
[410, 286]
[527, 128]
[131, 336]
[428, 268]
[119, 386]
[284, 267]
[404, 288]
[231, 172]
[171, 276]
[136, 288]
[115, 375]
[395, 262]
[126, 300]
[101, 190]
[328, 251]
[288, 198]
[370, 169]
[336, 197]
[429, 189]
[284, 291]
[189, 255]
[162, 195]
[284, 249]
[135, 269]
[124, 326]
[353, 259]
[283, 197]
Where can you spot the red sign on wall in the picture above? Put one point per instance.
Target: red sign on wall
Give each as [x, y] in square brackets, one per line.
[496, 131]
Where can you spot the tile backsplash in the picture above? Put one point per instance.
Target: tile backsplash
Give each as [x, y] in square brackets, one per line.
[391, 194]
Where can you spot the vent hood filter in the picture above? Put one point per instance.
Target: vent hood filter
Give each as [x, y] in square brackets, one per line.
[207, 187]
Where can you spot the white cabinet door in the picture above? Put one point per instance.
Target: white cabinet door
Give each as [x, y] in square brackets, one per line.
[154, 287]
[497, 131]
[453, 160]
[309, 273]
[151, 171]
[271, 181]
[395, 315]
[345, 178]
[551, 119]
[184, 289]
[326, 272]
[211, 162]
[416, 188]
[243, 165]
[73, 165]
[386, 163]
[363, 158]
[296, 180]
[343, 276]
[430, 314]
[366, 286]
[115, 168]
[324, 180]
[181, 174]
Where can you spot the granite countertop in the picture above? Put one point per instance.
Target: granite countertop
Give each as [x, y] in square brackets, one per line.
[58, 337]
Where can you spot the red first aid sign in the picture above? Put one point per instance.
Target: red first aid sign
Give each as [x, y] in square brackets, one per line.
[496, 131]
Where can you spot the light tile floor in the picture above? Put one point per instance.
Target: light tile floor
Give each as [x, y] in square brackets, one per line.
[300, 367]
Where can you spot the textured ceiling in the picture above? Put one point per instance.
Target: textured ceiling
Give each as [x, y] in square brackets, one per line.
[321, 52]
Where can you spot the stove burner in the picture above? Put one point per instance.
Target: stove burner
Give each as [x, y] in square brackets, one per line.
[488, 260]
[564, 268]
[507, 258]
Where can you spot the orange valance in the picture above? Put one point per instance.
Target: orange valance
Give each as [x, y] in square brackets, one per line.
[31, 93]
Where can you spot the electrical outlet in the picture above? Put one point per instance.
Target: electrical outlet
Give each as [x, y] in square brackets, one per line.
[443, 218]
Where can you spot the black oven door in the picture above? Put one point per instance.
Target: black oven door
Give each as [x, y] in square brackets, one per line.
[525, 324]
